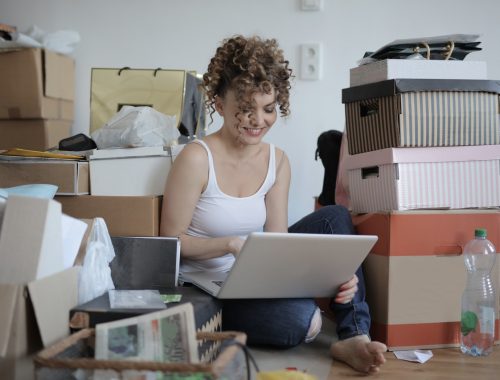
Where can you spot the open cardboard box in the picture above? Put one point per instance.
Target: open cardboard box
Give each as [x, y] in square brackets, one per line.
[35, 294]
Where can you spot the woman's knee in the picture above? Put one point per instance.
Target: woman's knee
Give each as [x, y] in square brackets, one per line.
[339, 219]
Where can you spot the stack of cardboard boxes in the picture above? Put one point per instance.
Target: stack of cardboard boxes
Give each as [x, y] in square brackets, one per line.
[424, 172]
[36, 98]
[126, 188]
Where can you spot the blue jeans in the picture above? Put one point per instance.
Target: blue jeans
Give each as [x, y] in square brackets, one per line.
[285, 322]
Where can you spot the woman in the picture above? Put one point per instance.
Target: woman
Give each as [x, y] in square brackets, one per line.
[232, 183]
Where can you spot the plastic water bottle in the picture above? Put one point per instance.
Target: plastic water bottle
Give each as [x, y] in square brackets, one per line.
[479, 298]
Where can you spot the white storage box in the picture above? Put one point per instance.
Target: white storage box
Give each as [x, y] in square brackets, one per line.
[424, 178]
[129, 171]
[417, 69]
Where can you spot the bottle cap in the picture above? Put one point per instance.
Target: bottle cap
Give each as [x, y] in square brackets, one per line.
[480, 232]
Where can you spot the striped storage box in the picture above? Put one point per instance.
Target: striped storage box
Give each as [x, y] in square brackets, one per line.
[422, 113]
[424, 178]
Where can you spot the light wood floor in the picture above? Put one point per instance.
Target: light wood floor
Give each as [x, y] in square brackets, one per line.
[447, 363]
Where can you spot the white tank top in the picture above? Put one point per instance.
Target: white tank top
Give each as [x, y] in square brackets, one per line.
[217, 214]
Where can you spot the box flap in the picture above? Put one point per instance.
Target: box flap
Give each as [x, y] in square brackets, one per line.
[396, 86]
[52, 298]
[8, 299]
[30, 239]
[59, 76]
[140, 152]
[417, 154]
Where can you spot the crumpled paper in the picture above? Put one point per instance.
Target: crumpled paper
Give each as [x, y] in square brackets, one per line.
[418, 356]
[62, 41]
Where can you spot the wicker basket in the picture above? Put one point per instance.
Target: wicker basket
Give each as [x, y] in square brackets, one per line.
[73, 358]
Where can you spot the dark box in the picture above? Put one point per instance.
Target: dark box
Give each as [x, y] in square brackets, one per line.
[421, 113]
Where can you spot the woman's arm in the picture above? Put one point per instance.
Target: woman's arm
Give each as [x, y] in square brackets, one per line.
[277, 197]
[186, 181]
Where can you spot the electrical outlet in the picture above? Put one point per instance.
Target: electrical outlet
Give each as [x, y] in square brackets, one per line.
[310, 61]
[311, 5]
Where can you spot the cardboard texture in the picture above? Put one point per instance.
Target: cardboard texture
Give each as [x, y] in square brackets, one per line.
[415, 274]
[417, 69]
[36, 84]
[421, 113]
[124, 216]
[30, 240]
[424, 178]
[112, 169]
[30, 319]
[112, 89]
[71, 177]
[33, 134]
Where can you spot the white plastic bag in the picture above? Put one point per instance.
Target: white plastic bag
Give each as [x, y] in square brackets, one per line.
[95, 276]
[135, 127]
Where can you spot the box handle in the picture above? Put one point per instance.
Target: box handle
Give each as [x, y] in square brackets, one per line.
[372, 171]
[368, 109]
[448, 250]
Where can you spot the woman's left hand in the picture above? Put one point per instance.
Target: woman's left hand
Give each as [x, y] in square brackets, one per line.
[347, 290]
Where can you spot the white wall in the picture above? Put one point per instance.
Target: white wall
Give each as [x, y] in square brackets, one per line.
[185, 33]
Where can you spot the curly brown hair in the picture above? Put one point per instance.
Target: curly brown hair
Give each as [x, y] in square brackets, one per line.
[247, 66]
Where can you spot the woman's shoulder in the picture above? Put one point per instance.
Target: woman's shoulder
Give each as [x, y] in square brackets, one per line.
[279, 153]
[193, 154]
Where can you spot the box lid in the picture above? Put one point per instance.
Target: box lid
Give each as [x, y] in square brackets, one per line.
[420, 154]
[395, 86]
[140, 152]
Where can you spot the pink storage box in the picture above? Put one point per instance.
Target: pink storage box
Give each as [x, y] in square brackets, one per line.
[424, 178]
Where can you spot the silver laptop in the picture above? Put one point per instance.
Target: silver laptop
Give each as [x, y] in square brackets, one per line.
[287, 265]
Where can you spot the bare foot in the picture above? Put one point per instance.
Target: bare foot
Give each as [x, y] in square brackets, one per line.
[360, 353]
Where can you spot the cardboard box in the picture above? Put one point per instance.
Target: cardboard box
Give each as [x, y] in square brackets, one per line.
[30, 239]
[424, 178]
[129, 171]
[37, 134]
[417, 69]
[35, 293]
[36, 84]
[71, 177]
[34, 315]
[421, 113]
[124, 216]
[415, 274]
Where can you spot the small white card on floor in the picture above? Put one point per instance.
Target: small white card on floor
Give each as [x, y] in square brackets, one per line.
[418, 356]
